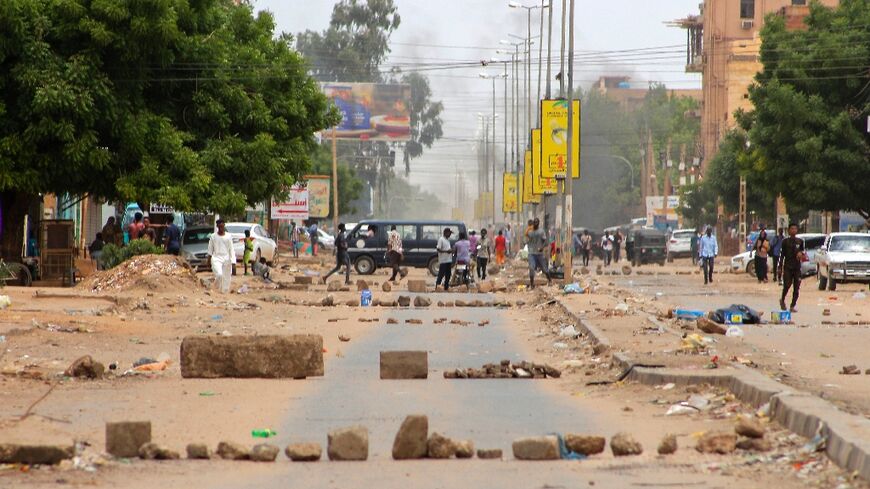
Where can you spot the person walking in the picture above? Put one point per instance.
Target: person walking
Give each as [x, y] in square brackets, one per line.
[508, 241]
[462, 250]
[709, 250]
[500, 248]
[445, 259]
[693, 246]
[313, 236]
[484, 248]
[762, 249]
[776, 253]
[341, 255]
[172, 237]
[222, 255]
[294, 238]
[617, 245]
[793, 254]
[537, 242]
[586, 246]
[577, 243]
[394, 251]
[607, 246]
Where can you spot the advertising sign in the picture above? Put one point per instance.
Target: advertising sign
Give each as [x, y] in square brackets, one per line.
[371, 111]
[528, 196]
[554, 138]
[540, 185]
[509, 193]
[295, 207]
[318, 195]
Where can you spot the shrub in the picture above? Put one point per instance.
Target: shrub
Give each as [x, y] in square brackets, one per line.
[113, 255]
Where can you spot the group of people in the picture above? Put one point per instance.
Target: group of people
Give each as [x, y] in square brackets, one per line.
[787, 255]
[468, 250]
[299, 234]
[139, 228]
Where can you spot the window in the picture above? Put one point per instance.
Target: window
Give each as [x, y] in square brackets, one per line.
[433, 232]
[408, 232]
[854, 244]
[798, 2]
[747, 9]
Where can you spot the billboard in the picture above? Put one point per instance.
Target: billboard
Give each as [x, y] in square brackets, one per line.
[540, 185]
[318, 195]
[295, 207]
[554, 139]
[371, 111]
[528, 196]
[509, 193]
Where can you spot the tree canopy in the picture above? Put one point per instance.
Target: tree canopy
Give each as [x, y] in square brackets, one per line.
[812, 99]
[191, 103]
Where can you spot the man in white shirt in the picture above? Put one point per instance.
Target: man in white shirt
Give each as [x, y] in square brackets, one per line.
[223, 256]
[445, 259]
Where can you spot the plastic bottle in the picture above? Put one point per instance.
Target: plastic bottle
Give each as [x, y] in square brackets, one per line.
[734, 331]
[365, 298]
[263, 433]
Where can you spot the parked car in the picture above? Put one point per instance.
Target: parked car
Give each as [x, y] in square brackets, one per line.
[812, 241]
[648, 246]
[325, 240]
[367, 243]
[680, 243]
[264, 245]
[194, 246]
[844, 258]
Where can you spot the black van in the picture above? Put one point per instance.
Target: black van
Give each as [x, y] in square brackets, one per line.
[367, 243]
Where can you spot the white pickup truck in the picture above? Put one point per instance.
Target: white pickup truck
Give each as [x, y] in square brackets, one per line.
[845, 257]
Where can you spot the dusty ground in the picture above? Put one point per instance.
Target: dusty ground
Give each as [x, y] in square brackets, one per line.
[45, 330]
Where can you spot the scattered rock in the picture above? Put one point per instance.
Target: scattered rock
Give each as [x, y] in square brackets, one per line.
[668, 445]
[623, 444]
[352, 303]
[412, 438]
[303, 452]
[264, 452]
[11, 453]
[586, 445]
[626, 270]
[386, 303]
[417, 286]
[422, 301]
[85, 367]
[755, 444]
[404, 301]
[303, 280]
[392, 321]
[749, 427]
[124, 438]
[414, 321]
[489, 453]
[485, 287]
[709, 326]
[328, 301]
[153, 451]
[333, 286]
[361, 285]
[228, 450]
[440, 303]
[386, 287]
[440, 447]
[536, 448]
[717, 442]
[850, 370]
[350, 443]
[584, 271]
[826, 312]
[198, 451]
[464, 448]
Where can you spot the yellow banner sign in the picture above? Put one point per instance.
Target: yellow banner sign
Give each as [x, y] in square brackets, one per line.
[554, 139]
[528, 196]
[509, 193]
[540, 185]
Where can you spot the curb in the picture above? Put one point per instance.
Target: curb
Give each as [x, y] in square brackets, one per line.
[847, 435]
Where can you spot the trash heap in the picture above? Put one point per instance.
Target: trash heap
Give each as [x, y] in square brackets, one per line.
[144, 272]
[505, 370]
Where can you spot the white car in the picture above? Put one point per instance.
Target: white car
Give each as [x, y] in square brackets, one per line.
[845, 257]
[325, 240]
[264, 245]
[680, 243]
[813, 241]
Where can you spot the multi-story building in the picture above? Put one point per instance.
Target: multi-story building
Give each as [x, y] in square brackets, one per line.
[723, 45]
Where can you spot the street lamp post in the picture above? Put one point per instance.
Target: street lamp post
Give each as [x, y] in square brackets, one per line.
[628, 163]
[494, 116]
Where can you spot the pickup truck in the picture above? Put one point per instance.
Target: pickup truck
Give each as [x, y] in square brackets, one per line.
[844, 258]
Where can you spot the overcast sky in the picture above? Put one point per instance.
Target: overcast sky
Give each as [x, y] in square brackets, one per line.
[434, 31]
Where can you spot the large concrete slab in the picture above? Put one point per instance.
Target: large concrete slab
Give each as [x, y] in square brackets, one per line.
[273, 356]
[404, 364]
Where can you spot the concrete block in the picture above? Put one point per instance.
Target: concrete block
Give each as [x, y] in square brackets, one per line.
[268, 356]
[404, 365]
[124, 438]
[416, 286]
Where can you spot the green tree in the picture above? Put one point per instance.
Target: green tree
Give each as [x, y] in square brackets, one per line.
[732, 160]
[425, 118]
[192, 103]
[811, 103]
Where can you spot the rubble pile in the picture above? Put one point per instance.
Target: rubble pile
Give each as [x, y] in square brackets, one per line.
[144, 272]
[505, 370]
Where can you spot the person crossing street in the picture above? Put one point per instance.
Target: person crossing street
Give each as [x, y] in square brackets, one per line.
[222, 256]
[793, 254]
[708, 252]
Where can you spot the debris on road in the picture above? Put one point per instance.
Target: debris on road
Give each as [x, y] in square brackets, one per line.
[536, 448]
[198, 451]
[303, 452]
[717, 442]
[404, 365]
[668, 445]
[264, 452]
[440, 447]
[351, 443]
[343, 338]
[85, 367]
[623, 444]
[145, 272]
[850, 370]
[506, 370]
[228, 450]
[124, 438]
[411, 441]
[153, 451]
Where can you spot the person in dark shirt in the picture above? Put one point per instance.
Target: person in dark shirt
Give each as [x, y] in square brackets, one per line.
[341, 256]
[792, 254]
[172, 237]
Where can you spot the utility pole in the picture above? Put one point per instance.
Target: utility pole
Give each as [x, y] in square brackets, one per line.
[505, 142]
[334, 184]
[569, 174]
